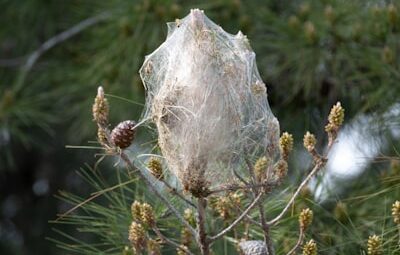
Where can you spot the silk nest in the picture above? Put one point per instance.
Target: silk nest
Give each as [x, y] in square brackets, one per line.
[208, 103]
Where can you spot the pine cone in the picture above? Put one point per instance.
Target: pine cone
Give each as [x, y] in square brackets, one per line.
[254, 247]
[123, 134]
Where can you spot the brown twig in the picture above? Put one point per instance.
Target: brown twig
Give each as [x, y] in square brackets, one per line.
[238, 220]
[299, 242]
[316, 168]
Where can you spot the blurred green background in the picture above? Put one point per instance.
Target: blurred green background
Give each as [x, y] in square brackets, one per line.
[54, 54]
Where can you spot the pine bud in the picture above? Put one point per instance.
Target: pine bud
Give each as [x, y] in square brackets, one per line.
[340, 212]
[374, 245]
[305, 218]
[304, 9]
[387, 55]
[336, 116]
[281, 169]
[147, 215]
[136, 210]
[102, 136]
[186, 237]
[127, 251]
[188, 215]
[223, 207]
[123, 134]
[396, 212]
[155, 168]
[260, 167]
[310, 248]
[310, 32]
[329, 14]
[181, 250]
[286, 144]
[309, 141]
[392, 14]
[100, 108]
[293, 22]
[153, 247]
[137, 236]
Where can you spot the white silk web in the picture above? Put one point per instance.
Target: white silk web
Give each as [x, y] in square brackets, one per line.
[209, 104]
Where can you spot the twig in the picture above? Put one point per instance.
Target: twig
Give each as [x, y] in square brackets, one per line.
[170, 242]
[299, 242]
[50, 43]
[241, 187]
[125, 158]
[249, 218]
[316, 168]
[238, 220]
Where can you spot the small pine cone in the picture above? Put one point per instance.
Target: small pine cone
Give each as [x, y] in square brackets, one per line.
[100, 108]
[155, 168]
[137, 236]
[136, 210]
[310, 248]
[153, 247]
[305, 218]
[396, 212]
[147, 215]
[374, 245]
[122, 135]
[253, 247]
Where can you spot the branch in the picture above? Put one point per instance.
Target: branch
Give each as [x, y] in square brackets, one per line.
[170, 242]
[238, 220]
[316, 168]
[125, 158]
[299, 242]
